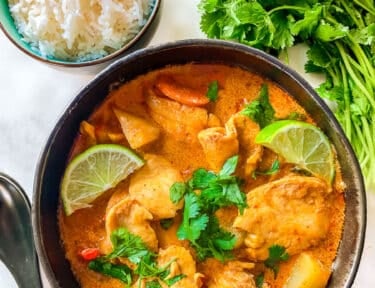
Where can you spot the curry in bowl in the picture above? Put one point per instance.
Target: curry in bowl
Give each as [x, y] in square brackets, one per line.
[228, 183]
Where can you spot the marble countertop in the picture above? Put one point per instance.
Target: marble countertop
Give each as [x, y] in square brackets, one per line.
[33, 96]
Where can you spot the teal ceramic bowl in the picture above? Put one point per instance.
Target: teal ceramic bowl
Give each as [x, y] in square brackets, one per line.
[140, 40]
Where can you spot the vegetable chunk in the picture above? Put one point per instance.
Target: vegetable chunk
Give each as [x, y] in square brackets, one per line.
[137, 130]
[307, 272]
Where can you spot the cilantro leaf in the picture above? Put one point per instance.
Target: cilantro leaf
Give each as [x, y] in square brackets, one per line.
[283, 36]
[259, 280]
[153, 284]
[229, 166]
[121, 272]
[275, 167]
[306, 26]
[260, 110]
[296, 116]
[201, 179]
[177, 192]
[212, 91]
[166, 223]
[192, 223]
[128, 245]
[276, 255]
[206, 194]
[327, 33]
[174, 279]
[215, 242]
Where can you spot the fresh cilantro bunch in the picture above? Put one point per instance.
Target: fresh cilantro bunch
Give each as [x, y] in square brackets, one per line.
[132, 247]
[203, 195]
[340, 34]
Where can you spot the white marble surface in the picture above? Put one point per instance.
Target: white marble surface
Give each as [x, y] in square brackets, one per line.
[33, 96]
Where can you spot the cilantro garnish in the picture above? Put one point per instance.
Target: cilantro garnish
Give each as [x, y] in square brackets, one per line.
[204, 194]
[275, 167]
[133, 248]
[276, 255]
[259, 280]
[166, 223]
[212, 91]
[260, 110]
[340, 35]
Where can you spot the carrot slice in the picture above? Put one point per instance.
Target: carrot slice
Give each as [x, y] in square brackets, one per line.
[182, 94]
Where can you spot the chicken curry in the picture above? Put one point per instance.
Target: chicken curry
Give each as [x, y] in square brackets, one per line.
[210, 207]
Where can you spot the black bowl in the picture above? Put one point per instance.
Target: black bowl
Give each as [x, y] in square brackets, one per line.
[52, 162]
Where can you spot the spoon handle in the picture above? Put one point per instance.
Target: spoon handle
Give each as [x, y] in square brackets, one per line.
[17, 249]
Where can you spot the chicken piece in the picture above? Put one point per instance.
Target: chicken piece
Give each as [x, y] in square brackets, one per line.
[137, 130]
[218, 145]
[168, 237]
[182, 263]
[181, 93]
[150, 186]
[226, 217]
[180, 120]
[232, 274]
[246, 131]
[291, 212]
[128, 213]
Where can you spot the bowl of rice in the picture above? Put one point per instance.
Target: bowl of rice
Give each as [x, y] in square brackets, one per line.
[78, 33]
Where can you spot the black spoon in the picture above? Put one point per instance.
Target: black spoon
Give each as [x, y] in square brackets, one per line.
[17, 249]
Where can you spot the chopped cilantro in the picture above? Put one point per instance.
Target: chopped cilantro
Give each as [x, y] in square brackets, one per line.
[132, 247]
[118, 271]
[177, 192]
[260, 110]
[205, 193]
[276, 255]
[259, 280]
[275, 167]
[193, 221]
[166, 223]
[153, 284]
[212, 91]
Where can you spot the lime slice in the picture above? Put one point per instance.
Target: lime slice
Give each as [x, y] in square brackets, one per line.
[302, 144]
[93, 172]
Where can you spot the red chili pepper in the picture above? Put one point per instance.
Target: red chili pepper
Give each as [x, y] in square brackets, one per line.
[90, 253]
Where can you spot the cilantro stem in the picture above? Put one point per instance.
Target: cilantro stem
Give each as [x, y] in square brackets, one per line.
[352, 73]
[357, 20]
[368, 8]
[347, 124]
[286, 7]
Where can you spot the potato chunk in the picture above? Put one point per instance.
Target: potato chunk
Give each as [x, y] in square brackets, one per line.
[307, 272]
[138, 131]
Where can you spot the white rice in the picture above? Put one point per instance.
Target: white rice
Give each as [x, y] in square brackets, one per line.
[78, 29]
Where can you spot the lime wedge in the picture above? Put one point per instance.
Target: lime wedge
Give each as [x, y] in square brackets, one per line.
[302, 144]
[93, 172]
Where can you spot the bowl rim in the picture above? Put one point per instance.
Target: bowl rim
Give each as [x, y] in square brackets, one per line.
[362, 206]
[62, 63]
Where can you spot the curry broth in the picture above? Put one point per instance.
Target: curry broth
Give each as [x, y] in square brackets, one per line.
[86, 227]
